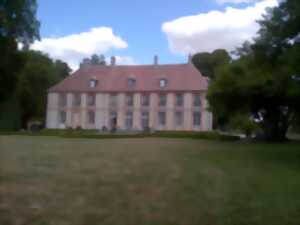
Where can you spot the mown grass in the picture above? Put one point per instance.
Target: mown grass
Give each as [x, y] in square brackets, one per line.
[51, 180]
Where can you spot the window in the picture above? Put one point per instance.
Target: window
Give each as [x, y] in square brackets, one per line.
[129, 120]
[91, 117]
[62, 116]
[197, 119]
[162, 100]
[178, 118]
[145, 120]
[197, 100]
[62, 100]
[161, 118]
[179, 100]
[129, 100]
[91, 100]
[76, 100]
[113, 119]
[93, 83]
[113, 100]
[145, 100]
[162, 83]
[131, 82]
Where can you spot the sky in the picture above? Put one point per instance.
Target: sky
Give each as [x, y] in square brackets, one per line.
[136, 30]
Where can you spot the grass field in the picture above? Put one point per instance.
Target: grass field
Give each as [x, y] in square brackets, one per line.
[57, 181]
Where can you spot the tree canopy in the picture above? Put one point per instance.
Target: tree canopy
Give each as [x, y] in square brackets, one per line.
[264, 80]
[39, 74]
[95, 60]
[208, 63]
[18, 25]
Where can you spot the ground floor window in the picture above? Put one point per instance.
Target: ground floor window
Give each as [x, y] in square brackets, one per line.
[129, 120]
[197, 119]
[161, 118]
[113, 119]
[178, 118]
[62, 117]
[145, 120]
[91, 117]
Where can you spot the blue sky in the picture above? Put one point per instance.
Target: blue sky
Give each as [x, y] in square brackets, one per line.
[137, 29]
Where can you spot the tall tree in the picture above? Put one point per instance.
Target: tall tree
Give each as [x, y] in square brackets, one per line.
[18, 25]
[208, 63]
[264, 81]
[40, 73]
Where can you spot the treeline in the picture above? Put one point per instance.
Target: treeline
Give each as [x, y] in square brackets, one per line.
[25, 75]
[27, 100]
[260, 86]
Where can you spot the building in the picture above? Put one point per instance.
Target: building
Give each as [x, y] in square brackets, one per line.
[160, 97]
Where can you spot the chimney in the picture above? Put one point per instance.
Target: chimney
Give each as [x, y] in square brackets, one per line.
[85, 62]
[113, 61]
[190, 57]
[155, 60]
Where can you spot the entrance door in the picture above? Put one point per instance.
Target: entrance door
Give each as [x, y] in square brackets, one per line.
[113, 120]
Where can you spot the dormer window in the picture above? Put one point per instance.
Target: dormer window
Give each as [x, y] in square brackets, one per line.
[162, 83]
[131, 82]
[93, 83]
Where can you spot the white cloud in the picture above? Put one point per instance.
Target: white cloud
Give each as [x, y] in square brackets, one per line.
[234, 1]
[73, 48]
[216, 29]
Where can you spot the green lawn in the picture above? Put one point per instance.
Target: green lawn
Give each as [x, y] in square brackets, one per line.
[57, 181]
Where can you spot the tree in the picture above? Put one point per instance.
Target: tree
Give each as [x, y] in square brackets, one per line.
[208, 63]
[18, 24]
[10, 65]
[264, 80]
[40, 73]
[62, 69]
[98, 59]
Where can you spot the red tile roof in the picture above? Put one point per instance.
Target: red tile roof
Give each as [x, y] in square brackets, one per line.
[180, 77]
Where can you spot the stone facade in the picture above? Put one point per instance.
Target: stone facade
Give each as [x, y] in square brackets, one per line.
[114, 109]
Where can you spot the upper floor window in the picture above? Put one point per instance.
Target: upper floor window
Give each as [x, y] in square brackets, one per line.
[113, 100]
[197, 100]
[131, 82]
[162, 83]
[162, 100]
[179, 100]
[62, 100]
[129, 100]
[91, 100]
[145, 100]
[93, 83]
[76, 100]
[91, 117]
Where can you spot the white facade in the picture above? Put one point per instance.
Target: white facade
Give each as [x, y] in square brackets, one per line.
[105, 113]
